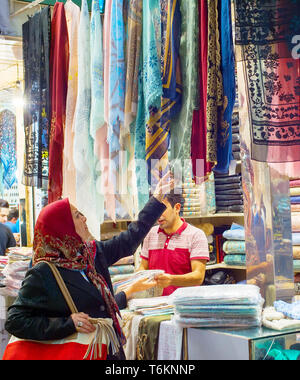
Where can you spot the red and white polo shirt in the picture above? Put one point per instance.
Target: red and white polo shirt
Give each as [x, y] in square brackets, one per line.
[173, 253]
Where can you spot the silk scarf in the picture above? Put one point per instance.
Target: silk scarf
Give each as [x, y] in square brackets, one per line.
[8, 157]
[181, 130]
[200, 165]
[36, 55]
[267, 57]
[69, 172]
[158, 124]
[224, 133]
[83, 143]
[59, 67]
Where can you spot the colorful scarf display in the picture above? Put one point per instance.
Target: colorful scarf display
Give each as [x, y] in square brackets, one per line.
[36, 52]
[59, 68]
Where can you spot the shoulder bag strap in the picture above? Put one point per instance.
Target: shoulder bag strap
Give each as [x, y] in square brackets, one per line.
[63, 287]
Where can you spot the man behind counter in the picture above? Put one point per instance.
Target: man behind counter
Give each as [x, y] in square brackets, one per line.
[177, 247]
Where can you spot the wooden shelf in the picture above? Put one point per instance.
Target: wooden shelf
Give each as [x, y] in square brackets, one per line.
[240, 267]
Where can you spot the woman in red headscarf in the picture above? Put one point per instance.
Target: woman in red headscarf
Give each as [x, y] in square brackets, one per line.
[61, 237]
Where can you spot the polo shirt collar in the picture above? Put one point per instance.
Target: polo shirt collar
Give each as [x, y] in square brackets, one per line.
[179, 231]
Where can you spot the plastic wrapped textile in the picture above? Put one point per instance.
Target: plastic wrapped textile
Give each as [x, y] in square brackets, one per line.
[235, 259]
[294, 191]
[234, 246]
[236, 232]
[217, 294]
[119, 269]
[295, 199]
[215, 322]
[295, 207]
[291, 310]
[295, 183]
[220, 311]
[142, 303]
[296, 264]
[296, 252]
[296, 222]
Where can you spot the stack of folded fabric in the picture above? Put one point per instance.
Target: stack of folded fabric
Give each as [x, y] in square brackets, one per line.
[14, 274]
[194, 197]
[199, 199]
[218, 306]
[123, 280]
[123, 267]
[296, 250]
[295, 209]
[151, 306]
[236, 137]
[3, 263]
[235, 247]
[229, 193]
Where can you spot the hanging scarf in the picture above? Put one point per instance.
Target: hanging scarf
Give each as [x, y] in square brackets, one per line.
[265, 53]
[200, 165]
[158, 124]
[97, 123]
[8, 157]
[189, 56]
[83, 151]
[114, 95]
[214, 81]
[224, 133]
[36, 51]
[69, 172]
[59, 67]
[56, 241]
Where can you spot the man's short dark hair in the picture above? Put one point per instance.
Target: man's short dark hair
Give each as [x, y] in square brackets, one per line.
[174, 197]
[13, 213]
[4, 204]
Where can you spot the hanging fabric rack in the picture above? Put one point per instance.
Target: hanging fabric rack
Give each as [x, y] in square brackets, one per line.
[30, 5]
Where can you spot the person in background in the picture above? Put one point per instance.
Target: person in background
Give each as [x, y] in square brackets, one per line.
[7, 239]
[13, 221]
[176, 247]
[4, 210]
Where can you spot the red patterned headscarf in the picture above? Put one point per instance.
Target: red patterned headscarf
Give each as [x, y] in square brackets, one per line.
[56, 241]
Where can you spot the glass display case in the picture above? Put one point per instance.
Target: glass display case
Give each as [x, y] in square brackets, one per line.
[250, 344]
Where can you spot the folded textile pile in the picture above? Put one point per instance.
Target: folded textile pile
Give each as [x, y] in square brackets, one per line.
[14, 273]
[229, 193]
[123, 280]
[234, 247]
[218, 306]
[276, 318]
[3, 263]
[151, 306]
[199, 199]
[295, 214]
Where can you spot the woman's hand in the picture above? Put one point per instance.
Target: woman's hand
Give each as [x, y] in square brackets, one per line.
[164, 186]
[138, 286]
[82, 323]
